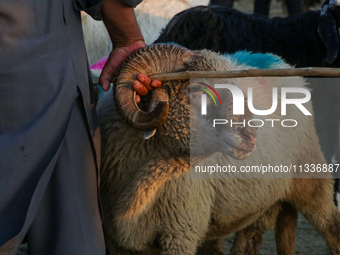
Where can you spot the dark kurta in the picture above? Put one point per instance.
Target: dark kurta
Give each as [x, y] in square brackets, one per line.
[42, 66]
[43, 69]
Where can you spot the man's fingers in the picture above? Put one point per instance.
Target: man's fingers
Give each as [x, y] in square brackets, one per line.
[145, 80]
[116, 57]
[106, 76]
[139, 88]
[143, 84]
[104, 81]
[156, 83]
[137, 99]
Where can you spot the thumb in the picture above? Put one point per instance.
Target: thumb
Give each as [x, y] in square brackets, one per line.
[117, 56]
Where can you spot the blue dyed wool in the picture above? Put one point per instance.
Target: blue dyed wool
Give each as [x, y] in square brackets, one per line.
[257, 60]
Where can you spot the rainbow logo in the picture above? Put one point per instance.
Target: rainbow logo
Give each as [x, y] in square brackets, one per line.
[212, 89]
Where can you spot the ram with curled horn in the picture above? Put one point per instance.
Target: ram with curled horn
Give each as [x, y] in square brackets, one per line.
[148, 62]
[151, 205]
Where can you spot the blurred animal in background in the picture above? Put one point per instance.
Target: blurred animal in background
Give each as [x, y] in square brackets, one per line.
[290, 7]
[151, 15]
[228, 3]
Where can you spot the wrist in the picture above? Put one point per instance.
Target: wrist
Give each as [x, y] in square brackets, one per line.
[133, 42]
[121, 23]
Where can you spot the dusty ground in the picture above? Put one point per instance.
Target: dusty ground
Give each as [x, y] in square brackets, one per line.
[308, 241]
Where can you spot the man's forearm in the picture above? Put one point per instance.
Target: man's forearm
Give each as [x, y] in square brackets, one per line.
[121, 23]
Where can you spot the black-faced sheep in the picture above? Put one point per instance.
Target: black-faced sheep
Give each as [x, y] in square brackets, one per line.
[229, 3]
[306, 40]
[226, 30]
[150, 203]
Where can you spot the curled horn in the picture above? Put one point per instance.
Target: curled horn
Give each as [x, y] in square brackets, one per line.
[158, 58]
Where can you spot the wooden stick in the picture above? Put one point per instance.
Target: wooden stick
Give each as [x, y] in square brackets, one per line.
[309, 71]
[95, 80]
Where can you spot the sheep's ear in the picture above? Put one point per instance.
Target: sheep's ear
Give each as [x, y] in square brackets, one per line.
[149, 134]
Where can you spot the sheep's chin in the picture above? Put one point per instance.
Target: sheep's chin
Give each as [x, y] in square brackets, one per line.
[239, 153]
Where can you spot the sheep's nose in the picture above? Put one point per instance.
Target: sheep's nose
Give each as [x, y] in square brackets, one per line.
[249, 134]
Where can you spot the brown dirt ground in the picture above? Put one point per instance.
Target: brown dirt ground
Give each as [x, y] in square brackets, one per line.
[307, 241]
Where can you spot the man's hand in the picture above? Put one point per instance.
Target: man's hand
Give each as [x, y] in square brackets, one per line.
[117, 56]
[126, 38]
[142, 85]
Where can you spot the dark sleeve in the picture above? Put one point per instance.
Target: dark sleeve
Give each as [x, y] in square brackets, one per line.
[91, 7]
[132, 3]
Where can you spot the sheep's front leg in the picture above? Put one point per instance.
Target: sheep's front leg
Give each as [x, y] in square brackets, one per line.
[247, 241]
[315, 202]
[286, 225]
[211, 247]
